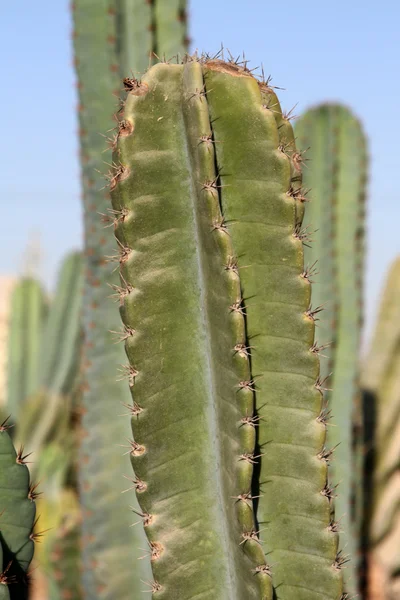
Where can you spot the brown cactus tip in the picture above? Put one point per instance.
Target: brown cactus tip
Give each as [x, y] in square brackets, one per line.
[125, 128]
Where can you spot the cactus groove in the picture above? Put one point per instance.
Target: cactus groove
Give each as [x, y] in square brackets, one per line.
[220, 341]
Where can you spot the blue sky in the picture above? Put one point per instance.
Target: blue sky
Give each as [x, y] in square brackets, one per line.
[345, 50]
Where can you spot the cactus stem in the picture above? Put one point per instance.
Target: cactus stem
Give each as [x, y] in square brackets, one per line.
[128, 372]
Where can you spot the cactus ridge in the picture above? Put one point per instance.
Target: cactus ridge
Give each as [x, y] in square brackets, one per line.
[197, 131]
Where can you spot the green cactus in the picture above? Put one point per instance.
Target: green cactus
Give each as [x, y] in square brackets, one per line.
[60, 351]
[17, 509]
[227, 410]
[110, 39]
[381, 384]
[336, 175]
[29, 308]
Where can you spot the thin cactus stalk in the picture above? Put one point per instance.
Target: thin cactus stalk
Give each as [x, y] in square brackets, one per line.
[6, 287]
[227, 412]
[381, 382]
[17, 510]
[29, 308]
[60, 352]
[336, 174]
[110, 38]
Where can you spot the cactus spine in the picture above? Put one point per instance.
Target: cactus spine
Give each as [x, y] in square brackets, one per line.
[337, 178]
[381, 383]
[109, 37]
[220, 341]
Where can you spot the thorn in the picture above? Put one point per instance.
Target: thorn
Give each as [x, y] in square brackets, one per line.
[115, 217]
[4, 426]
[340, 560]
[312, 312]
[265, 569]
[121, 292]
[138, 485]
[326, 454]
[212, 185]
[252, 421]
[156, 550]
[147, 519]
[134, 448]
[318, 349]
[329, 491]
[33, 494]
[319, 384]
[299, 160]
[310, 271]
[36, 536]
[154, 586]
[121, 336]
[242, 350]
[232, 265]
[325, 415]
[122, 257]
[250, 458]
[220, 226]
[303, 234]
[128, 372]
[245, 497]
[7, 579]
[199, 93]
[247, 385]
[134, 410]
[238, 307]
[288, 115]
[20, 458]
[250, 535]
[299, 194]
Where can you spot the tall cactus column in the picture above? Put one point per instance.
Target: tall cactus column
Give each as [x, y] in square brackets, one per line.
[336, 174]
[220, 342]
[110, 545]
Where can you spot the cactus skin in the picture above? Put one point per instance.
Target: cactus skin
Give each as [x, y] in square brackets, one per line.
[17, 509]
[6, 287]
[62, 336]
[336, 175]
[108, 38]
[27, 316]
[196, 244]
[381, 382]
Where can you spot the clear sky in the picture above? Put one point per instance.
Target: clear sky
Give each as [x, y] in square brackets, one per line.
[347, 50]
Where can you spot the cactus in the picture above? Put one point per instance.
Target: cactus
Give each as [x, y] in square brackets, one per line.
[336, 175]
[109, 38]
[61, 345]
[17, 509]
[227, 412]
[6, 287]
[29, 308]
[381, 383]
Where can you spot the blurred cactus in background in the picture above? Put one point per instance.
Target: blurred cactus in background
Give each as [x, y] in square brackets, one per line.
[334, 150]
